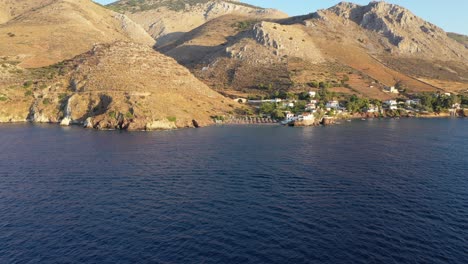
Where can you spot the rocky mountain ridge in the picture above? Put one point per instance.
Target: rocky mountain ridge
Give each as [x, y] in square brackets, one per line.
[404, 32]
[167, 20]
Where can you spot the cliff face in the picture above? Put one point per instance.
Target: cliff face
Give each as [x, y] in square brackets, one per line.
[404, 32]
[167, 20]
[46, 32]
[113, 86]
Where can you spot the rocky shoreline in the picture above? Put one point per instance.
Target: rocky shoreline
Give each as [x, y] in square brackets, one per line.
[237, 120]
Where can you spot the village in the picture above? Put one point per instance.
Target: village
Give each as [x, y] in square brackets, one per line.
[320, 107]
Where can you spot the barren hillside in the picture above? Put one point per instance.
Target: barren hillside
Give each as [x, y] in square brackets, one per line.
[113, 86]
[167, 20]
[40, 33]
[463, 39]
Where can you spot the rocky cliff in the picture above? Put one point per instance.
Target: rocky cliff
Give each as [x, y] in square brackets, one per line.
[403, 32]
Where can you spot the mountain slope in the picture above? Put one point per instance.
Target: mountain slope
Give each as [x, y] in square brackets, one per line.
[166, 20]
[368, 46]
[40, 33]
[463, 39]
[113, 86]
[10, 9]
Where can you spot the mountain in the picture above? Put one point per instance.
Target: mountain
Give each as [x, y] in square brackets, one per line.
[166, 20]
[43, 32]
[113, 86]
[355, 49]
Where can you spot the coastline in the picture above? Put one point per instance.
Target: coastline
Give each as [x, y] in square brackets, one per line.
[252, 122]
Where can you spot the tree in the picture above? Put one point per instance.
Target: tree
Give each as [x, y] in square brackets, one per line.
[278, 114]
[267, 108]
[304, 96]
[299, 107]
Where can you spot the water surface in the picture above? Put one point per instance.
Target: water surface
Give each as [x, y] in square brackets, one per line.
[388, 191]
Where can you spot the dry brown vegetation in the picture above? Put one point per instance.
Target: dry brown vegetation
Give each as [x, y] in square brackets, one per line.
[44, 33]
[121, 85]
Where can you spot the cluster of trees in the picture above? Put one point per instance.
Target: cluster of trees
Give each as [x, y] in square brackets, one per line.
[464, 100]
[330, 84]
[277, 110]
[356, 104]
[429, 102]
[438, 102]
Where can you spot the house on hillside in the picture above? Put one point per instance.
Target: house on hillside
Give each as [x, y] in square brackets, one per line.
[410, 102]
[312, 94]
[391, 89]
[391, 104]
[310, 107]
[288, 115]
[371, 109]
[333, 104]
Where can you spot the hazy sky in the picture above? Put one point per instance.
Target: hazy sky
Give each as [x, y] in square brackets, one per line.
[451, 15]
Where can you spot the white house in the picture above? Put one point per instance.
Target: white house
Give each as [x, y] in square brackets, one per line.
[288, 115]
[312, 94]
[310, 107]
[371, 109]
[333, 104]
[391, 89]
[413, 102]
[391, 104]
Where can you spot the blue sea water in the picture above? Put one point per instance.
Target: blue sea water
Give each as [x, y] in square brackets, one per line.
[381, 191]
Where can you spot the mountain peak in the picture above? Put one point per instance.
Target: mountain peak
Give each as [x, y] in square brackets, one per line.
[404, 32]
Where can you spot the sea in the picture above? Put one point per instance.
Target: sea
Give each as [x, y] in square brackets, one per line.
[374, 191]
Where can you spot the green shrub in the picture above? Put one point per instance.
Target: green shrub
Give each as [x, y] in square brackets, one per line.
[46, 101]
[244, 25]
[27, 84]
[172, 118]
[112, 114]
[28, 93]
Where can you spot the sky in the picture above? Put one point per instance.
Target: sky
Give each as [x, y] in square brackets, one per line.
[447, 14]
